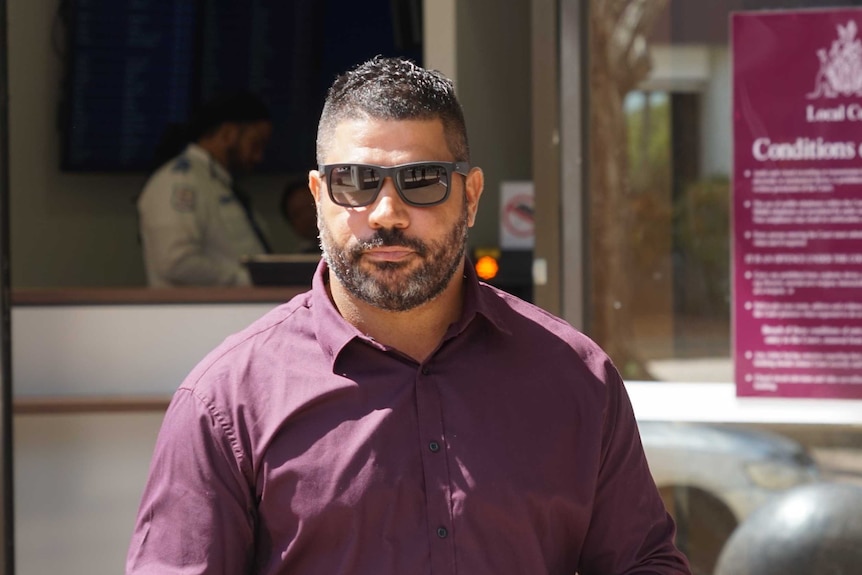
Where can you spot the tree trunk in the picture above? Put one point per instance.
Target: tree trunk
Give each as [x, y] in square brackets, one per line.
[619, 61]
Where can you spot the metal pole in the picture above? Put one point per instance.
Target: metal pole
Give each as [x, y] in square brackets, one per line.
[7, 551]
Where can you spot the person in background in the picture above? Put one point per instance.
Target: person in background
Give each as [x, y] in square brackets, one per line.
[195, 225]
[298, 209]
[401, 417]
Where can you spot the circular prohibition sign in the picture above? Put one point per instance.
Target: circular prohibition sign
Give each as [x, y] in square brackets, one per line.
[519, 216]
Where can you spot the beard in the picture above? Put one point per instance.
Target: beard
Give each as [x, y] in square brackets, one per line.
[394, 286]
[236, 164]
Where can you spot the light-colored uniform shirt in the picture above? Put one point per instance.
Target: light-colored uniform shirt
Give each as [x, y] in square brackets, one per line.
[193, 228]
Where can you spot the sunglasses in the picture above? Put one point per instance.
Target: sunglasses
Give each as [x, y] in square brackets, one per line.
[418, 183]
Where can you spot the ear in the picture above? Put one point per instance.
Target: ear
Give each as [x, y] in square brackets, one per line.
[314, 185]
[475, 184]
[228, 133]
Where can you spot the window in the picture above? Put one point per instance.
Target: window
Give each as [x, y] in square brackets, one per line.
[657, 144]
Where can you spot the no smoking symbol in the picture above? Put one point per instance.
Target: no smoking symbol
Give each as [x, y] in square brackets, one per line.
[518, 216]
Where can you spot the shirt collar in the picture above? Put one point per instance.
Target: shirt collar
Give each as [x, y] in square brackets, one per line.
[480, 300]
[217, 171]
[334, 332]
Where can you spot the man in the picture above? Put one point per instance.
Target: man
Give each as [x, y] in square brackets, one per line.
[298, 209]
[401, 417]
[194, 225]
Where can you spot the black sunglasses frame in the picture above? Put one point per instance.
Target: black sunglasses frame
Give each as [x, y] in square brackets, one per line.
[462, 168]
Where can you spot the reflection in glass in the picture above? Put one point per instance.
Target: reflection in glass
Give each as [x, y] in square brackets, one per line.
[658, 261]
[658, 196]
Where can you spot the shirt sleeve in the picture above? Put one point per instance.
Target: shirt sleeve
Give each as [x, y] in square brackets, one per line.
[197, 511]
[630, 531]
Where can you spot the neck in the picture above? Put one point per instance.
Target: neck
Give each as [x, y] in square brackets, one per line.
[416, 332]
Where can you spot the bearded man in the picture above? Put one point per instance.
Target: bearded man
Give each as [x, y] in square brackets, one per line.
[401, 417]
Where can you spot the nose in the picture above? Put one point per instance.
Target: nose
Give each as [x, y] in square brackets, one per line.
[388, 210]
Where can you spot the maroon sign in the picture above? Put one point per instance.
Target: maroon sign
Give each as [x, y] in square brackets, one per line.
[797, 203]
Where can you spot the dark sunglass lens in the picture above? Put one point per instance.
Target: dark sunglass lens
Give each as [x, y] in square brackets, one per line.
[353, 185]
[426, 184]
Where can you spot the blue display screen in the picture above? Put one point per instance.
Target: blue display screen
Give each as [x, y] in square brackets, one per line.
[133, 67]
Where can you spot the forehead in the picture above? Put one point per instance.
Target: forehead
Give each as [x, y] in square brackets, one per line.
[388, 142]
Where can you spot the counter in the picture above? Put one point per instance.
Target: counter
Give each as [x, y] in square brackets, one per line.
[121, 349]
[127, 349]
[143, 295]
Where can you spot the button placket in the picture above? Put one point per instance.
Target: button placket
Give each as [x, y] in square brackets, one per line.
[436, 470]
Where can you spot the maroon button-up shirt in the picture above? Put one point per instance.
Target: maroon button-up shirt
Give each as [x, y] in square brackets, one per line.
[299, 446]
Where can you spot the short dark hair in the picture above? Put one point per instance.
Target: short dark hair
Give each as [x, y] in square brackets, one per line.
[239, 107]
[393, 89]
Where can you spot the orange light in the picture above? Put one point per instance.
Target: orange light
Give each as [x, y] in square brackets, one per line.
[487, 267]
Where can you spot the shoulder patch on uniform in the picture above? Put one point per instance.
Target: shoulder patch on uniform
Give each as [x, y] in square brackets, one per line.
[183, 199]
[181, 164]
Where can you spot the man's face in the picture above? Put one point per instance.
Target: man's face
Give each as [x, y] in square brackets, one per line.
[248, 145]
[301, 213]
[389, 254]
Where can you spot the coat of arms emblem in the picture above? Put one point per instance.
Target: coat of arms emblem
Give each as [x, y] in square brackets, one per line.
[840, 72]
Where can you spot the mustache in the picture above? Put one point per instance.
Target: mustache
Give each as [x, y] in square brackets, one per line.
[391, 237]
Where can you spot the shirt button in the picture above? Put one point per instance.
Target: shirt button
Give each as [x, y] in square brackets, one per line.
[434, 447]
[426, 370]
[442, 532]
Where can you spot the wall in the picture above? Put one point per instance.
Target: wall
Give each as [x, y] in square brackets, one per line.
[78, 481]
[78, 477]
[718, 123]
[59, 223]
[440, 42]
[494, 88]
